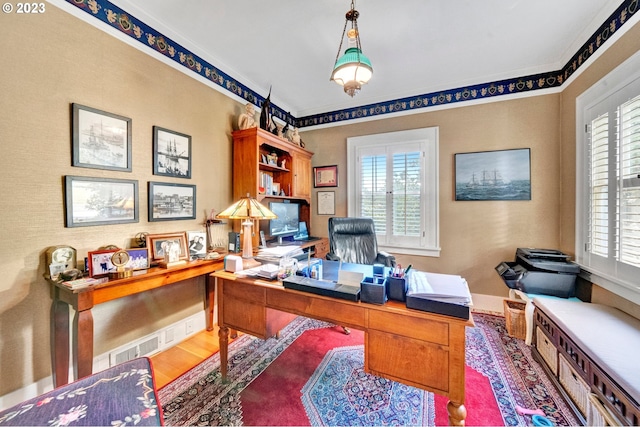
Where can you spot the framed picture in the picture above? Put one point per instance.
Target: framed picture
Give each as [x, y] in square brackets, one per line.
[138, 259]
[157, 243]
[168, 201]
[493, 175]
[325, 176]
[171, 153]
[326, 202]
[197, 244]
[100, 201]
[100, 262]
[101, 140]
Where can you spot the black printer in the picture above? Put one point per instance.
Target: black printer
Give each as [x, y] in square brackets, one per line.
[540, 271]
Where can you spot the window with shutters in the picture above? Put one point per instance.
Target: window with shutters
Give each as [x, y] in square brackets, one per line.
[608, 180]
[393, 178]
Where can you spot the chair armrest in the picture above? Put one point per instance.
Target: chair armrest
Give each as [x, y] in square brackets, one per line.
[332, 257]
[386, 258]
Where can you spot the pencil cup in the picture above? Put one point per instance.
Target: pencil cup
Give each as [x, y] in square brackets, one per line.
[372, 290]
[396, 288]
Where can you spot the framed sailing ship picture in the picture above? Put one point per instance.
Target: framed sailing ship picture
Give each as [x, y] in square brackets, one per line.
[101, 140]
[171, 153]
[168, 201]
[493, 175]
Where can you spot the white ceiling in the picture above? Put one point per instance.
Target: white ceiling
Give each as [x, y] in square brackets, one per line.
[415, 46]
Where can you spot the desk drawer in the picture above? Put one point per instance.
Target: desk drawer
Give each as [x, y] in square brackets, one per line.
[423, 329]
[331, 310]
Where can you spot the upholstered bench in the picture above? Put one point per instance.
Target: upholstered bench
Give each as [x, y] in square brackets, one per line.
[528, 310]
[121, 395]
[592, 349]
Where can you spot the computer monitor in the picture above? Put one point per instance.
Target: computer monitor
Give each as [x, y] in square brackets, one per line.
[287, 222]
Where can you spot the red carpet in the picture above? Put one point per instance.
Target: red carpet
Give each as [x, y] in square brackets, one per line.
[274, 397]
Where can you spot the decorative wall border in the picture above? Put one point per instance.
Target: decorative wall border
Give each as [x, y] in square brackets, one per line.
[138, 30]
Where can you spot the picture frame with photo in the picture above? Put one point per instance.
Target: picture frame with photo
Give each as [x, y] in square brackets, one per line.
[156, 243]
[100, 140]
[138, 259]
[100, 201]
[197, 244]
[170, 201]
[99, 262]
[171, 153]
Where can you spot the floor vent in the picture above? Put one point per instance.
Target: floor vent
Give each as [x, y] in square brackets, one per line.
[138, 350]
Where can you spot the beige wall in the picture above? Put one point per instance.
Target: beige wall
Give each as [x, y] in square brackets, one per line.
[50, 61]
[474, 236]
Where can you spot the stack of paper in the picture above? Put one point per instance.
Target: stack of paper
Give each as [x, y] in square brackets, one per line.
[439, 293]
[275, 253]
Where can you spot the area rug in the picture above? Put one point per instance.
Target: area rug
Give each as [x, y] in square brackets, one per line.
[313, 375]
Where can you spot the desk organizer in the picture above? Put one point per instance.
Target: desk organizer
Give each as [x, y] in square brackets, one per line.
[373, 290]
[396, 288]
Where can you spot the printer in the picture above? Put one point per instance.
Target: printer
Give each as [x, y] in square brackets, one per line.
[540, 271]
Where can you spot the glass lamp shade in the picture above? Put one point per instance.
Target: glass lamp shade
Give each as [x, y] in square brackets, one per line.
[247, 208]
[352, 70]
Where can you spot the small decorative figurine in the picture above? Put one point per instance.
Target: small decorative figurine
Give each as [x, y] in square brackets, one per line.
[295, 138]
[282, 165]
[247, 119]
[265, 117]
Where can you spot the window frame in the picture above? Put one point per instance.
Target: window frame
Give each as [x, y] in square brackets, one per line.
[611, 274]
[427, 139]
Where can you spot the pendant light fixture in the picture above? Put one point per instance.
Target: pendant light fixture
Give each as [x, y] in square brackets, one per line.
[353, 69]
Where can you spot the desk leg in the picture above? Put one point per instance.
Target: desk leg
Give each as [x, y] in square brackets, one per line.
[223, 337]
[457, 413]
[59, 341]
[210, 298]
[83, 343]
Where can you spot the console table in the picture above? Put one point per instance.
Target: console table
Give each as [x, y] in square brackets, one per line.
[83, 300]
[417, 348]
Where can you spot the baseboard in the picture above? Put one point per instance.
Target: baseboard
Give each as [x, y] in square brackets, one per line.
[167, 337]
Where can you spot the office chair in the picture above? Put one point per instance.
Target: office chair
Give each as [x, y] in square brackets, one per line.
[354, 240]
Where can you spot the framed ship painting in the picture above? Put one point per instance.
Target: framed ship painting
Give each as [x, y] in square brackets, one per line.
[171, 153]
[493, 175]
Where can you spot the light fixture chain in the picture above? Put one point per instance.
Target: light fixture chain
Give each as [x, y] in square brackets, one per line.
[344, 30]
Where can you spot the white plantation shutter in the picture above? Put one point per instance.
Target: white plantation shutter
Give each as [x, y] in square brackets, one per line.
[608, 181]
[393, 180]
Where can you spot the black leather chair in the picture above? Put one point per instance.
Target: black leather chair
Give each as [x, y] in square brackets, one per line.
[354, 240]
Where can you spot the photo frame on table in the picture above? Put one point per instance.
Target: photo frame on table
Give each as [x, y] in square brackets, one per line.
[138, 258]
[100, 201]
[157, 242]
[99, 262]
[326, 202]
[170, 201]
[325, 176]
[493, 175]
[100, 140]
[171, 153]
[197, 244]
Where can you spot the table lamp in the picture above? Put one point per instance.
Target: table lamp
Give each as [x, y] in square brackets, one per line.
[249, 210]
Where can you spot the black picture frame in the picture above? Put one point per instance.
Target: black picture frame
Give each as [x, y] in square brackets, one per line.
[325, 176]
[100, 201]
[493, 175]
[171, 153]
[171, 201]
[100, 140]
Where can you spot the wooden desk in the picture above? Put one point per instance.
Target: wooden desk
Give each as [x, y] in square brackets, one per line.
[83, 300]
[417, 348]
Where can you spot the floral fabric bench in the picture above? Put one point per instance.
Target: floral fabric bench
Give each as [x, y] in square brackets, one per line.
[122, 395]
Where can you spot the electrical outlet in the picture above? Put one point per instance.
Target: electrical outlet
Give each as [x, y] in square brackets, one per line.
[189, 326]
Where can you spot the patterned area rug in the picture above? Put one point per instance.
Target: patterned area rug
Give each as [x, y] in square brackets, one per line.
[258, 393]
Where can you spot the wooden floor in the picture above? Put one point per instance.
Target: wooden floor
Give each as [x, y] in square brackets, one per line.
[170, 364]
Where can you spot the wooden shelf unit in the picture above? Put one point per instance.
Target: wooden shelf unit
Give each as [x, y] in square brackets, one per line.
[249, 145]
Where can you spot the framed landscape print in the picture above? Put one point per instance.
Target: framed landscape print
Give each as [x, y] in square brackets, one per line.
[168, 201]
[101, 140]
[171, 153]
[493, 175]
[100, 201]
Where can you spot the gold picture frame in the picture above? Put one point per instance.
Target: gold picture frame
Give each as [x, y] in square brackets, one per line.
[155, 245]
